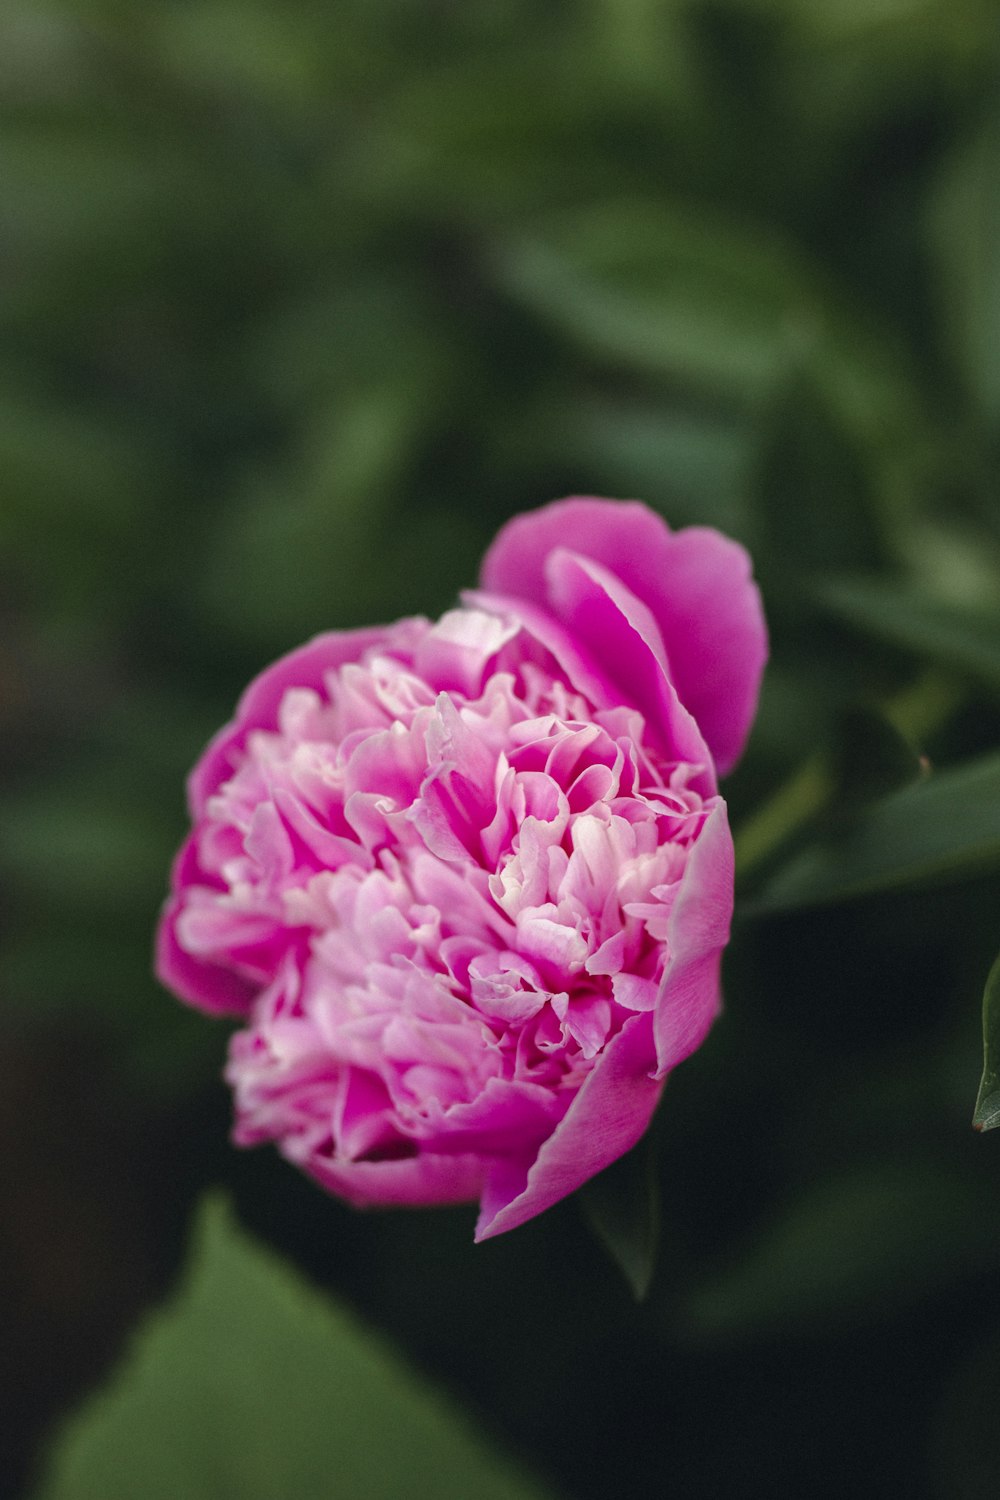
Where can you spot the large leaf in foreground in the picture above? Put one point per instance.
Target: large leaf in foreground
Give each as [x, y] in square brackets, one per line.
[252, 1386]
[944, 828]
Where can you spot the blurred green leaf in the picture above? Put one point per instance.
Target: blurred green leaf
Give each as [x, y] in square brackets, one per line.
[987, 1111]
[243, 48]
[965, 235]
[82, 842]
[622, 1207]
[968, 639]
[705, 300]
[664, 291]
[298, 550]
[913, 24]
[732, 315]
[815, 490]
[871, 760]
[951, 557]
[944, 828]
[78, 490]
[691, 464]
[448, 141]
[249, 1386]
[850, 1247]
[79, 189]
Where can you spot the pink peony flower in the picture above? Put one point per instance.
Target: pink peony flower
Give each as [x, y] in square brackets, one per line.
[467, 883]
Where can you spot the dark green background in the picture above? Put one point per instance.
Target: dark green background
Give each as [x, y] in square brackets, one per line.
[298, 302]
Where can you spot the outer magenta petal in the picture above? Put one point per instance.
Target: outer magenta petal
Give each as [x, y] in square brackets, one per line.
[580, 670]
[412, 1182]
[210, 987]
[612, 532]
[710, 611]
[614, 1106]
[689, 998]
[305, 667]
[606, 1119]
[696, 582]
[621, 635]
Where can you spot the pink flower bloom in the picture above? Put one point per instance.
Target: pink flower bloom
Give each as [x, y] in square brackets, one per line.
[467, 884]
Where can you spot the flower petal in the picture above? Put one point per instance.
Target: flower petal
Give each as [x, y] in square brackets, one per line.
[689, 998]
[606, 1118]
[305, 667]
[622, 637]
[696, 582]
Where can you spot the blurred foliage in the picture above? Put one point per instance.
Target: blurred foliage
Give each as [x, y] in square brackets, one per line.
[298, 303]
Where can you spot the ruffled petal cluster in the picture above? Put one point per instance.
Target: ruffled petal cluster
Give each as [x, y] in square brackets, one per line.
[467, 883]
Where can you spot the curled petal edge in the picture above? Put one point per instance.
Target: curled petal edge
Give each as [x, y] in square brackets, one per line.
[616, 1102]
[696, 582]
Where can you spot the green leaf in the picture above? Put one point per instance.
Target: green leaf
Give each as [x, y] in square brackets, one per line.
[702, 299]
[964, 638]
[720, 311]
[850, 1246]
[622, 1207]
[965, 234]
[689, 463]
[987, 1113]
[814, 486]
[871, 759]
[663, 291]
[250, 1385]
[944, 828]
[297, 550]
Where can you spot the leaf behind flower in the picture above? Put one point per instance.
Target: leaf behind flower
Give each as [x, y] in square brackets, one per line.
[850, 1249]
[622, 1207]
[961, 637]
[944, 828]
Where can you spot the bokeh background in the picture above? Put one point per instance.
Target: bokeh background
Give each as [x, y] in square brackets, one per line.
[298, 303]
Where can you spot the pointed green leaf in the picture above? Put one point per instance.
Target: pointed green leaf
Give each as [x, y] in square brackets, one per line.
[944, 828]
[297, 550]
[848, 1247]
[987, 1115]
[662, 292]
[871, 759]
[968, 639]
[690, 464]
[622, 1207]
[250, 1385]
[965, 238]
[717, 308]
